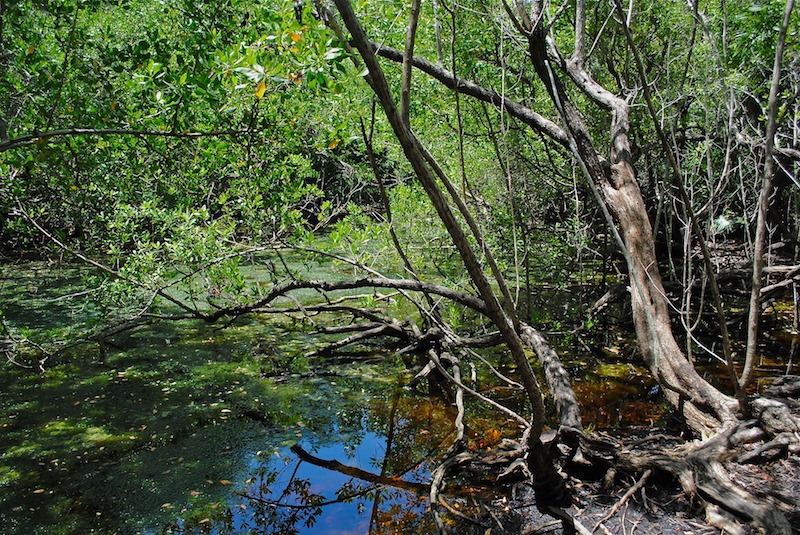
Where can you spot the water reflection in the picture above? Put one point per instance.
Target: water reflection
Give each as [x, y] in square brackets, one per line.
[294, 496]
[186, 428]
[365, 475]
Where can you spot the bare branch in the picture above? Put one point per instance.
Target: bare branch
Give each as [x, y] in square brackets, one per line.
[352, 471]
[405, 87]
[580, 32]
[515, 109]
[38, 137]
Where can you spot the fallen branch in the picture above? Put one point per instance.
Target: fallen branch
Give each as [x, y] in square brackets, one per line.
[625, 497]
[374, 332]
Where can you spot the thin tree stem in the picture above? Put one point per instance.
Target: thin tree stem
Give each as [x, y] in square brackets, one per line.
[763, 204]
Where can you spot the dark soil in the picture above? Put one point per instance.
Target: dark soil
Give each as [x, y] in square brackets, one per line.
[660, 507]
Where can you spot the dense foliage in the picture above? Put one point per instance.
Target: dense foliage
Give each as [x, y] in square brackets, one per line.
[181, 148]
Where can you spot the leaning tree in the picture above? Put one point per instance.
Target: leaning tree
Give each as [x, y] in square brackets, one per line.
[610, 174]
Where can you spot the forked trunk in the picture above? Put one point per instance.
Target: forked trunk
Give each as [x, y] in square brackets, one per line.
[704, 407]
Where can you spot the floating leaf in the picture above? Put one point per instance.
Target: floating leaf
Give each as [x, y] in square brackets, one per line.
[38, 491]
[225, 482]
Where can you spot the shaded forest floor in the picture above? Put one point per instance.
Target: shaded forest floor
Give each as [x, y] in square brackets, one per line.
[658, 507]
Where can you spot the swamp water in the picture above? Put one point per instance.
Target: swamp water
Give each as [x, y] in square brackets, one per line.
[188, 428]
[172, 439]
[183, 427]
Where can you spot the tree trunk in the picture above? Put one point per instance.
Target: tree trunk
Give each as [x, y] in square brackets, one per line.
[550, 485]
[763, 205]
[704, 407]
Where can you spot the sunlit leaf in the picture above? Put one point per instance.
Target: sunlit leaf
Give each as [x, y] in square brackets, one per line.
[334, 53]
[261, 89]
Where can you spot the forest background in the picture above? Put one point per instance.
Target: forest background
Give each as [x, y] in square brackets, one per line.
[497, 154]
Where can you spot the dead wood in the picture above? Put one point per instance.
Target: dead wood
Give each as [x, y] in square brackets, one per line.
[625, 497]
[373, 332]
[704, 479]
[615, 293]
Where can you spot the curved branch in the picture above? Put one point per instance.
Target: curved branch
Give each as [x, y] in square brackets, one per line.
[37, 137]
[515, 109]
[352, 471]
[282, 289]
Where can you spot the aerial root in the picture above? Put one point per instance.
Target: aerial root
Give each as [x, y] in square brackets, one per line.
[702, 477]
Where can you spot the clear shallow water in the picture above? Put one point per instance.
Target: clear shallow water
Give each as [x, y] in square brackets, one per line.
[282, 478]
[175, 425]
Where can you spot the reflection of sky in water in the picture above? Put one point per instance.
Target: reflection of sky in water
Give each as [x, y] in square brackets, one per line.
[335, 518]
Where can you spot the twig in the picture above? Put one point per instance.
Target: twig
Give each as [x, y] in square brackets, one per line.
[625, 497]
[455, 512]
[474, 393]
[36, 137]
